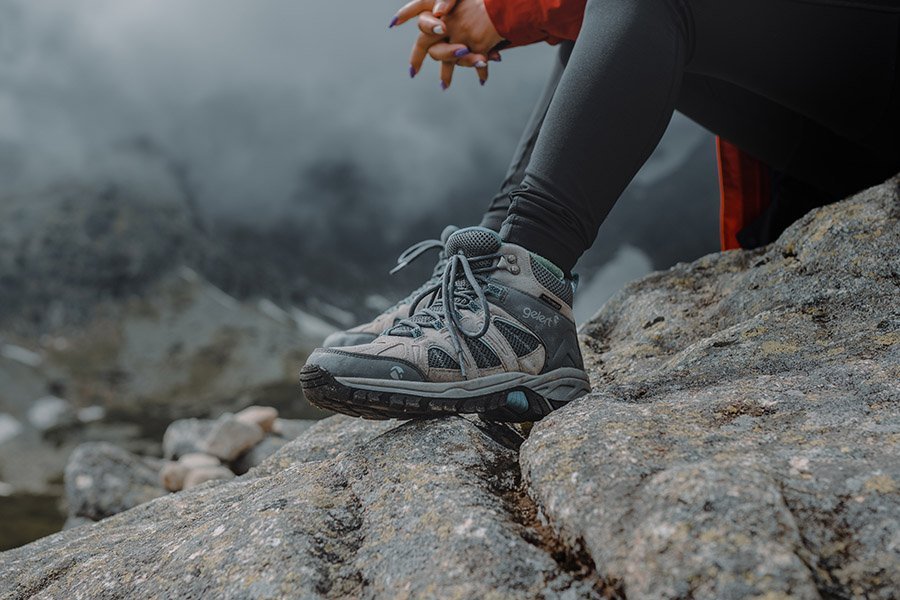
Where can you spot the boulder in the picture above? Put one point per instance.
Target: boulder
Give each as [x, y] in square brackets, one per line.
[741, 441]
[426, 509]
[742, 437]
[184, 436]
[103, 480]
[229, 438]
[201, 475]
[264, 416]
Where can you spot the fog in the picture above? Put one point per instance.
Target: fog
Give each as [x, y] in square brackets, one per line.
[281, 113]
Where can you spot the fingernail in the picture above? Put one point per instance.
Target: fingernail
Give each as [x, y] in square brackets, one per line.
[438, 30]
[439, 8]
[461, 52]
[480, 64]
[495, 58]
[393, 22]
[412, 71]
[444, 86]
[483, 81]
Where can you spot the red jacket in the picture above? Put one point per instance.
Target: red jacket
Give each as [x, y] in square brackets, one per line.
[743, 181]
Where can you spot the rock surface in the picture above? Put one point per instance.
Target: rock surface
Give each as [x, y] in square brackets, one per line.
[741, 441]
[743, 435]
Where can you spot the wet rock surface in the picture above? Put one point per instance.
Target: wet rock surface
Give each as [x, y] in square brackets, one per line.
[741, 441]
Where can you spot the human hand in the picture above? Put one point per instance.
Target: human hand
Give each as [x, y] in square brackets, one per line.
[453, 32]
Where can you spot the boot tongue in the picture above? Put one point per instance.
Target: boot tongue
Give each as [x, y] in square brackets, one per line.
[473, 241]
[448, 231]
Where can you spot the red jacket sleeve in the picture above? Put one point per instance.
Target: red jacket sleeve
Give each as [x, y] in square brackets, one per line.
[524, 22]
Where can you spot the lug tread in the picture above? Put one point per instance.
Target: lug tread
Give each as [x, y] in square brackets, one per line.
[323, 391]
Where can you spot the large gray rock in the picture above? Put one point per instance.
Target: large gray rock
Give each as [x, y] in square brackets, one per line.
[742, 438]
[426, 509]
[741, 441]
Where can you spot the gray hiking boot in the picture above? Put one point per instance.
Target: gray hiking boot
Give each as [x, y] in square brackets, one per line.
[365, 333]
[496, 337]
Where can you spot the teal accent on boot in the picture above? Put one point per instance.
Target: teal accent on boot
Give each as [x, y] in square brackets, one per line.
[517, 401]
[548, 265]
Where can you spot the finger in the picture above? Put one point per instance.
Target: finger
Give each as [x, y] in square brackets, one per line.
[411, 10]
[479, 62]
[443, 7]
[446, 74]
[444, 52]
[494, 55]
[431, 25]
[420, 50]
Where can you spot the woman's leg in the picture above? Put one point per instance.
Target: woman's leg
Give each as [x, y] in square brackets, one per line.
[499, 205]
[828, 72]
[613, 104]
[792, 144]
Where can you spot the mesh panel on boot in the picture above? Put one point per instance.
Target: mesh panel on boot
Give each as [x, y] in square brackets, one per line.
[560, 287]
[522, 342]
[474, 241]
[439, 359]
[482, 353]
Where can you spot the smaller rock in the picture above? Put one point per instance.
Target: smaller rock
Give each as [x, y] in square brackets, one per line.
[172, 476]
[264, 416]
[258, 453]
[196, 460]
[91, 414]
[51, 413]
[10, 427]
[197, 476]
[73, 522]
[103, 480]
[184, 437]
[290, 429]
[230, 438]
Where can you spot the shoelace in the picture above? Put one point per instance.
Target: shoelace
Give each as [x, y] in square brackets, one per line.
[410, 255]
[415, 251]
[454, 292]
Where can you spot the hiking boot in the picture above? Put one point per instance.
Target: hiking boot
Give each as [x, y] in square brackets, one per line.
[365, 333]
[494, 336]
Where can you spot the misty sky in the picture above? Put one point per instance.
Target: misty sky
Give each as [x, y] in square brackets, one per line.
[246, 93]
[299, 114]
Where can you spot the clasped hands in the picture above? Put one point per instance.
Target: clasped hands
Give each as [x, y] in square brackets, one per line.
[454, 33]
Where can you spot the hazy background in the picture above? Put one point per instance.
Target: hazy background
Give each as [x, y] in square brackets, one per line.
[193, 193]
[296, 119]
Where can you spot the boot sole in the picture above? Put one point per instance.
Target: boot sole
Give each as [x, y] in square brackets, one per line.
[509, 402]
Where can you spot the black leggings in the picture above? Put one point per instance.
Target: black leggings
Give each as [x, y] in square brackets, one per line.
[810, 87]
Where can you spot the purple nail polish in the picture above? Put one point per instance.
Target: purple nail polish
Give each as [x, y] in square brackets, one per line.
[444, 86]
[393, 22]
[483, 81]
[461, 52]
[412, 71]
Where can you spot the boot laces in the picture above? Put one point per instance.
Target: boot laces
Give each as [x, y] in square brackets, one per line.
[460, 287]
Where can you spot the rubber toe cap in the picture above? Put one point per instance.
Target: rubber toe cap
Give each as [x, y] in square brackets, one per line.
[341, 363]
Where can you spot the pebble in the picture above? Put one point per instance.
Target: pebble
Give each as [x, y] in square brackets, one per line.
[172, 476]
[50, 412]
[196, 460]
[264, 416]
[229, 438]
[10, 427]
[197, 476]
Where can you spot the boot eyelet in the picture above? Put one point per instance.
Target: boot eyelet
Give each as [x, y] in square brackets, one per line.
[512, 258]
[514, 270]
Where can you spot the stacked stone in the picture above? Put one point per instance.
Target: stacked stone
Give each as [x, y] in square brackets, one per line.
[201, 451]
